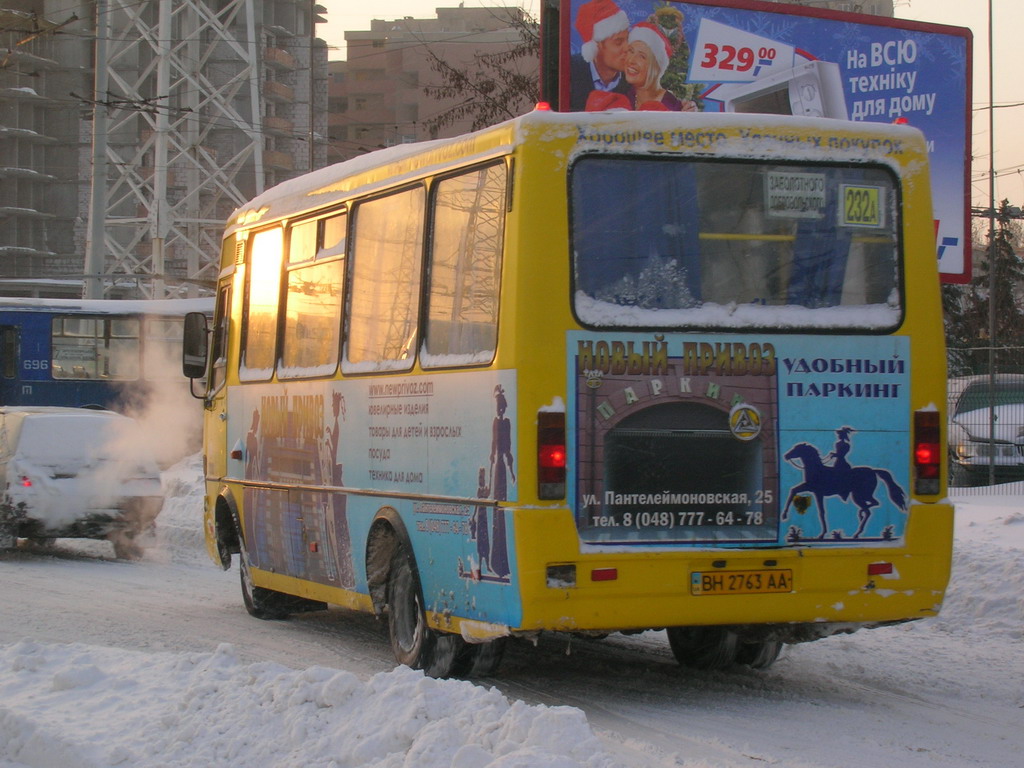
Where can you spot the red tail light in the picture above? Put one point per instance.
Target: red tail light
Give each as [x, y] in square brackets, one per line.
[550, 455]
[927, 451]
[25, 482]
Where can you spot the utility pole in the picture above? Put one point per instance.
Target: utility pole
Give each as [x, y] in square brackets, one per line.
[991, 255]
[96, 233]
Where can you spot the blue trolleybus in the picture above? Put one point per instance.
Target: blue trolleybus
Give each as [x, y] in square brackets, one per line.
[97, 353]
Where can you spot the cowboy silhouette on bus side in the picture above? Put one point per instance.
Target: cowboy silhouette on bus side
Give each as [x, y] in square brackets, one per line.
[856, 484]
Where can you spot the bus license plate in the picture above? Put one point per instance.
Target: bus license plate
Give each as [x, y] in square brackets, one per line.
[741, 582]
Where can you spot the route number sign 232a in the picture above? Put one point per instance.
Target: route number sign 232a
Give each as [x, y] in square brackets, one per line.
[863, 206]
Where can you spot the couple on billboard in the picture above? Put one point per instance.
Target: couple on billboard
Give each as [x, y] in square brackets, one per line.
[620, 66]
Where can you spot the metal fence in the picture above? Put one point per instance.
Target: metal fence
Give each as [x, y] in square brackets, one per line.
[986, 420]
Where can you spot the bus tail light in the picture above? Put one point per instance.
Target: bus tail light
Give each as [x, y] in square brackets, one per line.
[927, 451]
[551, 455]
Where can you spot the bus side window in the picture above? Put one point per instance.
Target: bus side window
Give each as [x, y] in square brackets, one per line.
[9, 352]
[218, 344]
[387, 259]
[73, 344]
[120, 348]
[262, 301]
[333, 239]
[161, 347]
[465, 268]
[102, 347]
[313, 299]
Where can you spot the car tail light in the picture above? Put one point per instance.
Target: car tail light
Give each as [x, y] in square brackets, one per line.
[927, 451]
[25, 482]
[550, 455]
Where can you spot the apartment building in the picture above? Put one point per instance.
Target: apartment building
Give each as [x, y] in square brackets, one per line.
[377, 97]
[201, 105]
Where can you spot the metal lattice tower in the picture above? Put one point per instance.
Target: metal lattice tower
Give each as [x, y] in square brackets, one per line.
[203, 104]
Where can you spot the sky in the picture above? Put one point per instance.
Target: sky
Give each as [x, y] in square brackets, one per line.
[1008, 88]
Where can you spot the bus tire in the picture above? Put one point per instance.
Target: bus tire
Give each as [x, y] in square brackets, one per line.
[483, 659]
[438, 654]
[262, 603]
[703, 647]
[758, 654]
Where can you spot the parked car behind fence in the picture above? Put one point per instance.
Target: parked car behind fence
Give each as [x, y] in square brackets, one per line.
[986, 429]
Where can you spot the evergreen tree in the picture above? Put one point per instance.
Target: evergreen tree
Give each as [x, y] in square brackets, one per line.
[669, 19]
[966, 307]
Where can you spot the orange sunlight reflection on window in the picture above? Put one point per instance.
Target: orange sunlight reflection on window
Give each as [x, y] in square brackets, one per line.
[265, 285]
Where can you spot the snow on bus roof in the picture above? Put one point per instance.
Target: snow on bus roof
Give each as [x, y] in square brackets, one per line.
[773, 133]
[173, 307]
[291, 196]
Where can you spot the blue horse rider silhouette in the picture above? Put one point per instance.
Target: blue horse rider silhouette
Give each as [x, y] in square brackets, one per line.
[857, 484]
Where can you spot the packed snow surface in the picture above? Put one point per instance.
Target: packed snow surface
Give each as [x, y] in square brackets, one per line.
[155, 663]
[83, 706]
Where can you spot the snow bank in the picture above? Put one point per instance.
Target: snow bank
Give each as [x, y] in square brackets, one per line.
[90, 707]
[179, 528]
[986, 591]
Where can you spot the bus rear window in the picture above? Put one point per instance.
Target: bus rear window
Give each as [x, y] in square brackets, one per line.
[667, 243]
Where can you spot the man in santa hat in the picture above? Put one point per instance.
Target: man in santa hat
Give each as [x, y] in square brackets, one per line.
[604, 29]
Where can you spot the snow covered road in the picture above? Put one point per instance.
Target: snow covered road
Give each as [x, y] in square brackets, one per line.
[217, 686]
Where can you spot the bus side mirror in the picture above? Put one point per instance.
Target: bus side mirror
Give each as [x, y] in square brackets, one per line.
[194, 346]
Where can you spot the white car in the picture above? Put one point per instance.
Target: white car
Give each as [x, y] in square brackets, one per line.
[986, 429]
[76, 473]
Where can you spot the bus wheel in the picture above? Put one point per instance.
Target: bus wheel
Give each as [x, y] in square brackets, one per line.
[758, 654]
[260, 602]
[703, 647]
[438, 654]
[483, 659]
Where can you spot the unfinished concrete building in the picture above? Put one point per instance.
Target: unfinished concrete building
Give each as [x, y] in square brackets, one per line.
[198, 106]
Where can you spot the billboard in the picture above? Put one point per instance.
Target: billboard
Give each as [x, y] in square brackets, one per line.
[749, 56]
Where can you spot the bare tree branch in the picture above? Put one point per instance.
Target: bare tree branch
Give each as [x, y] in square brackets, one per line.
[494, 87]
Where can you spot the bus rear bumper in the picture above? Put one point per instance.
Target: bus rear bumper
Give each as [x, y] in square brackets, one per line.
[813, 590]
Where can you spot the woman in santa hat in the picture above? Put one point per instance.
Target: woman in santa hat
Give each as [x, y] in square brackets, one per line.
[647, 60]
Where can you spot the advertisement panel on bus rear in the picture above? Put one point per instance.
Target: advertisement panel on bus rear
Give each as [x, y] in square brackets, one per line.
[683, 439]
